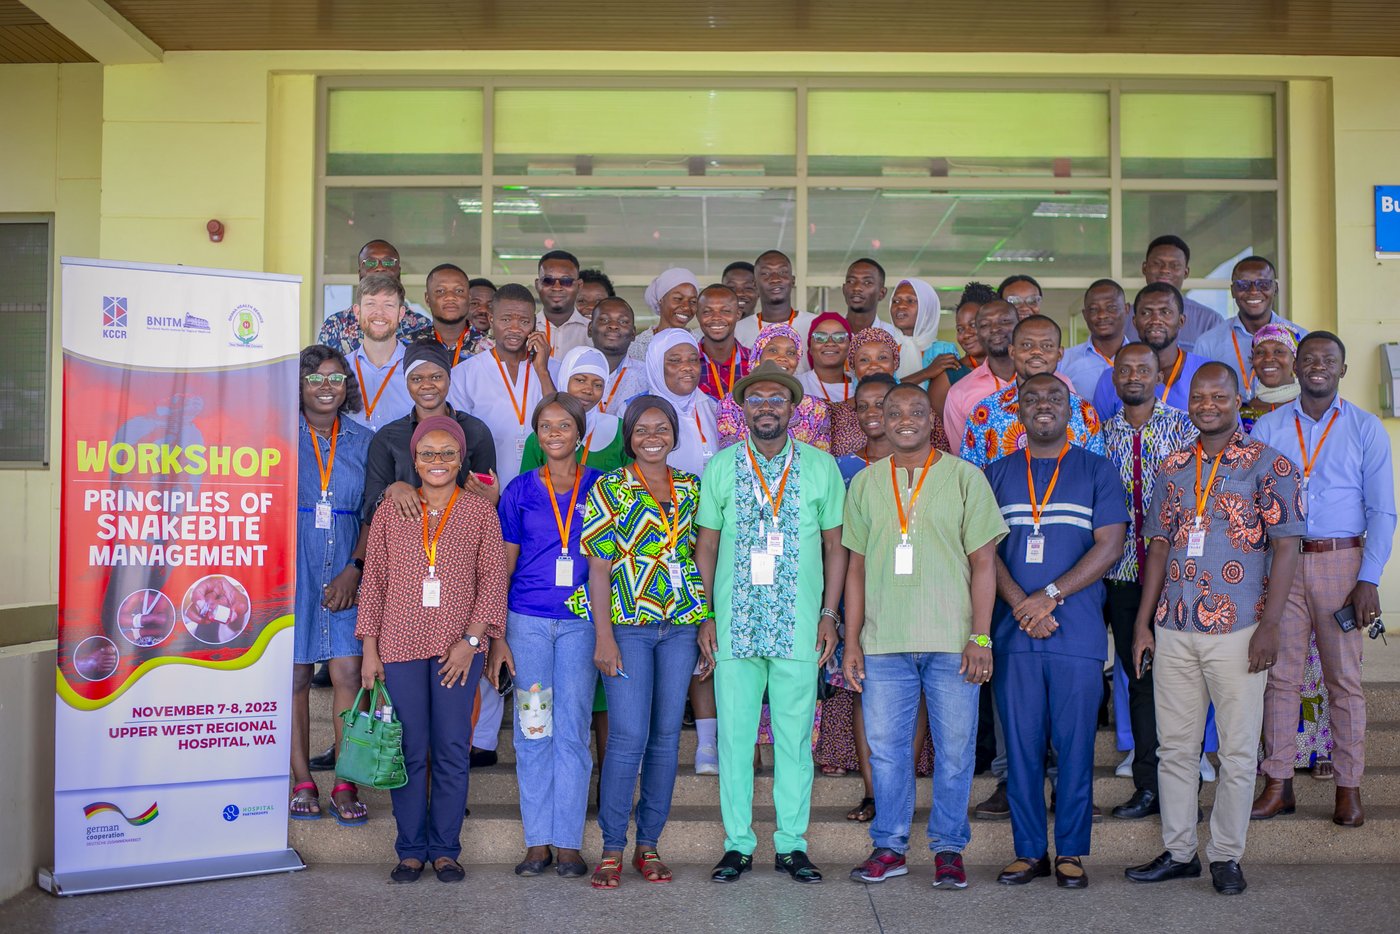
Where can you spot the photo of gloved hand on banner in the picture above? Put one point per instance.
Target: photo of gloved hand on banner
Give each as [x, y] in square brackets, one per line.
[215, 609]
[145, 618]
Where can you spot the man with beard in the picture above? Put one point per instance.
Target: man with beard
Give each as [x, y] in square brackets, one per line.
[342, 330]
[995, 322]
[480, 292]
[1254, 287]
[448, 298]
[1157, 317]
[770, 556]
[557, 284]
[1168, 260]
[376, 362]
[773, 273]
[864, 290]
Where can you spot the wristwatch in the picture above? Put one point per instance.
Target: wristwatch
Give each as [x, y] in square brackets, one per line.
[984, 642]
[472, 640]
[359, 564]
[1053, 593]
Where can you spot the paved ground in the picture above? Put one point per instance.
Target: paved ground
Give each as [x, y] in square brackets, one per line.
[350, 899]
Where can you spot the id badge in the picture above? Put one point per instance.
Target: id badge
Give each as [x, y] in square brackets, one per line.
[673, 567]
[775, 544]
[1303, 497]
[519, 445]
[904, 558]
[432, 591]
[564, 571]
[1196, 543]
[1035, 548]
[323, 514]
[762, 567]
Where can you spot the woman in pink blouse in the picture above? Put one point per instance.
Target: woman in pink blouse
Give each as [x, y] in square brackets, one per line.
[433, 594]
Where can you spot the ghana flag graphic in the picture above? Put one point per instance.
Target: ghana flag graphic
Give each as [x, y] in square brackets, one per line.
[145, 817]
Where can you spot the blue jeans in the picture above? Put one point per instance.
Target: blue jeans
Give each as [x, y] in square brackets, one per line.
[553, 763]
[645, 710]
[889, 706]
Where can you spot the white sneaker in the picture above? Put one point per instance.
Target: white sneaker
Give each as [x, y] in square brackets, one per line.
[1125, 768]
[1207, 770]
[707, 761]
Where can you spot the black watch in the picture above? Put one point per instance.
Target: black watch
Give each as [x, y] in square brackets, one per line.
[359, 564]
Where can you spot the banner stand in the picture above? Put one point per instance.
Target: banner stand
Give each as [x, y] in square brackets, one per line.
[89, 881]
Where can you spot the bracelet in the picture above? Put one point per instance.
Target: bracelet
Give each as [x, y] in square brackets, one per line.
[831, 613]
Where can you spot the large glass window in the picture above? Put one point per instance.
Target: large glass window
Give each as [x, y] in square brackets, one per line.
[403, 131]
[1185, 135]
[24, 353]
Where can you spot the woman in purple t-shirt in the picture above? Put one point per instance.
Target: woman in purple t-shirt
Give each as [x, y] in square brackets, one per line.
[548, 649]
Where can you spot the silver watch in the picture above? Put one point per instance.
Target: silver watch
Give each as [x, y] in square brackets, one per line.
[1053, 593]
[473, 641]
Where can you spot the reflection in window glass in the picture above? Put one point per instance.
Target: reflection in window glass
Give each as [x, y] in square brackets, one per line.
[976, 234]
[1197, 135]
[428, 226]
[404, 131]
[641, 231]
[662, 132]
[953, 133]
[1221, 227]
[24, 353]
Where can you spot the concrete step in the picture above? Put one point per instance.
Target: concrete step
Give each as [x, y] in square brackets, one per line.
[694, 834]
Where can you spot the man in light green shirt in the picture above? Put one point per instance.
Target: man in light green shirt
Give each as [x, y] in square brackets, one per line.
[769, 552]
[922, 527]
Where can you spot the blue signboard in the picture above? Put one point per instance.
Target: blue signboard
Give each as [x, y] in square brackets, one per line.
[1388, 220]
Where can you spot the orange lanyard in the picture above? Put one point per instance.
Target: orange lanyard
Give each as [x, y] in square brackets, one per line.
[699, 428]
[973, 360]
[1038, 508]
[583, 458]
[904, 516]
[845, 388]
[1201, 500]
[549, 336]
[517, 407]
[1308, 461]
[617, 384]
[673, 529]
[456, 354]
[776, 504]
[1245, 374]
[430, 547]
[325, 467]
[1176, 371]
[1101, 356]
[564, 525]
[714, 373]
[364, 391]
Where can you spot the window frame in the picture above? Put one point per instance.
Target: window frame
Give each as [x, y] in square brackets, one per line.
[46, 455]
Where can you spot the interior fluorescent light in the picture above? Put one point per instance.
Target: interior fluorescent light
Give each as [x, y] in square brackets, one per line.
[1083, 209]
[1021, 256]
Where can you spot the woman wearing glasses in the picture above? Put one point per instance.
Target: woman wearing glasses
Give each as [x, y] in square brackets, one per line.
[330, 485]
[811, 420]
[433, 595]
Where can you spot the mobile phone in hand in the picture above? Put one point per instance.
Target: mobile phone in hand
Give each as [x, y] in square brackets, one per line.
[1346, 618]
[484, 478]
[1146, 664]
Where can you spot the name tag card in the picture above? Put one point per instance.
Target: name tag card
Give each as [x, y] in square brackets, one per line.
[904, 558]
[432, 591]
[1196, 543]
[775, 544]
[563, 571]
[673, 567]
[1035, 548]
[323, 514]
[762, 567]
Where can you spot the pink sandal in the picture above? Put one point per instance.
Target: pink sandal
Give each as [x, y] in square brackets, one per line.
[313, 799]
[350, 819]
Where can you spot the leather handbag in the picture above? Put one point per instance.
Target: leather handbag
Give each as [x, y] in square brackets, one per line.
[371, 750]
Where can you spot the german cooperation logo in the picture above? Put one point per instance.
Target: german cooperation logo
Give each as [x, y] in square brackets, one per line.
[246, 323]
[102, 834]
[114, 317]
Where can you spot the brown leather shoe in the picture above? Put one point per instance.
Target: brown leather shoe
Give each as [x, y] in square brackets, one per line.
[1276, 798]
[1348, 810]
[1023, 870]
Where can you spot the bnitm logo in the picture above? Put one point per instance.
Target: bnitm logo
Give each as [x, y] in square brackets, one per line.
[231, 812]
[114, 317]
[145, 817]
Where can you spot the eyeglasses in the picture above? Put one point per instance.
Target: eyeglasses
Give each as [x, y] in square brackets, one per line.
[1023, 299]
[316, 379]
[1253, 285]
[388, 262]
[441, 457]
[564, 282]
[759, 402]
[830, 337]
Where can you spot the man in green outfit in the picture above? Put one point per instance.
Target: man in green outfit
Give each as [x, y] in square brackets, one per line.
[770, 554]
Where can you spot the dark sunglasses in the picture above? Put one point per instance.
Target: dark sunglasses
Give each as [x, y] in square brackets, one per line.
[566, 282]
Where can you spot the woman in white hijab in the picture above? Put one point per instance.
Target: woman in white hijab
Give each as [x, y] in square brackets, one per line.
[582, 374]
[673, 370]
[915, 312]
[674, 298]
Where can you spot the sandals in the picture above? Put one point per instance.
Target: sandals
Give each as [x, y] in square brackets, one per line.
[305, 803]
[833, 771]
[864, 812]
[1322, 770]
[354, 814]
[649, 864]
[608, 875]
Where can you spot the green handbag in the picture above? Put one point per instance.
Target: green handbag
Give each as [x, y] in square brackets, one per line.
[371, 751]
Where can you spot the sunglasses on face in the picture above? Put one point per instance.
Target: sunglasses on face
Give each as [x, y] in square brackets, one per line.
[564, 282]
[1023, 299]
[388, 262]
[1253, 285]
[759, 402]
[316, 379]
[830, 337]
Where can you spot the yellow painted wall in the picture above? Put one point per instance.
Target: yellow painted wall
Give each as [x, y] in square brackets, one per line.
[232, 135]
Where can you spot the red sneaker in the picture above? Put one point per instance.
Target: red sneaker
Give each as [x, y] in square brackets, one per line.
[883, 864]
[948, 871]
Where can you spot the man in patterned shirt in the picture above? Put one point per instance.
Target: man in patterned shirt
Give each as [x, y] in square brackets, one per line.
[770, 556]
[993, 428]
[342, 329]
[1225, 521]
[1139, 437]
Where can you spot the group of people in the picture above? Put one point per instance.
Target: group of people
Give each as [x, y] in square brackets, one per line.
[746, 505]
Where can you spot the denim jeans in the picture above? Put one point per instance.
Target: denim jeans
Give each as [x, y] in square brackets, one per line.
[645, 710]
[553, 763]
[890, 705]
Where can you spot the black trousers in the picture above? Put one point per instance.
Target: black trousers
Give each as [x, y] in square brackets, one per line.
[1120, 613]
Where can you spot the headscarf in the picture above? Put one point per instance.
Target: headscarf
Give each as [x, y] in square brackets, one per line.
[925, 333]
[440, 423]
[656, 368]
[1277, 332]
[590, 362]
[1275, 395]
[426, 351]
[824, 317]
[696, 410]
[766, 336]
[872, 336]
[664, 283]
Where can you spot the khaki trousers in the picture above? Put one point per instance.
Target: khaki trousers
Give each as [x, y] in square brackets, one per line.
[1191, 671]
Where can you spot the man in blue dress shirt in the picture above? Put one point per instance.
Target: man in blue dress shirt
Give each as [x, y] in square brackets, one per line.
[1158, 320]
[1168, 260]
[1106, 315]
[1348, 498]
[1254, 286]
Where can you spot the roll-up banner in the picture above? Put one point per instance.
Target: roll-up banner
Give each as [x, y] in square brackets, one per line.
[177, 546]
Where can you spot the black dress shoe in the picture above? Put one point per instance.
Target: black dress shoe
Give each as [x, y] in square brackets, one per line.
[1070, 874]
[325, 762]
[450, 871]
[481, 758]
[570, 870]
[405, 873]
[1163, 868]
[533, 867]
[1228, 877]
[1142, 804]
[731, 866]
[1023, 870]
[798, 866]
